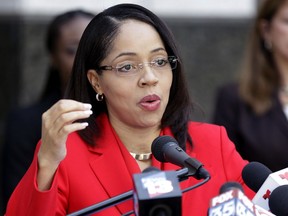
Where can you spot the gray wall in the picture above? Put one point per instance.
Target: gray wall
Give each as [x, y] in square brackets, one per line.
[212, 52]
[211, 49]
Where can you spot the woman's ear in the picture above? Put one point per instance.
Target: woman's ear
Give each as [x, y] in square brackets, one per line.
[265, 32]
[93, 78]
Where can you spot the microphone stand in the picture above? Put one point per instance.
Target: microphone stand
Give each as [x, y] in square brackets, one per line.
[182, 174]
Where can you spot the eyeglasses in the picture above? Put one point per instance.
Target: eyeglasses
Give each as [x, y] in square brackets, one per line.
[129, 68]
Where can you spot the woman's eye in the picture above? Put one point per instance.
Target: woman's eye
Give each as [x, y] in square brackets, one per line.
[161, 62]
[125, 68]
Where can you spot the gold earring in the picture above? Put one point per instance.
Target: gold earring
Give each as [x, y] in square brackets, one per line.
[99, 97]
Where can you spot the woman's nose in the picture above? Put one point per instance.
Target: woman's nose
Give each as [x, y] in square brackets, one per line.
[148, 75]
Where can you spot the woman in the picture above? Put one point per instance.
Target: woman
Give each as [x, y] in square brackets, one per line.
[127, 88]
[62, 39]
[255, 110]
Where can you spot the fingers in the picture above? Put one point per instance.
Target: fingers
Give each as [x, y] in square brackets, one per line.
[64, 113]
[64, 123]
[57, 123]
[65, 106]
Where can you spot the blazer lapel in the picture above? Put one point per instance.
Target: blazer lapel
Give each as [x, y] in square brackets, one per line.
[112, 173]
[110, 167]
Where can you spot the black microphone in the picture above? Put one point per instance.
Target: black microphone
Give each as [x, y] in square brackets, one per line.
[151, 169]
[157, 193]
[230, 186]
[166, 149]
[255, 174]
[278, 201]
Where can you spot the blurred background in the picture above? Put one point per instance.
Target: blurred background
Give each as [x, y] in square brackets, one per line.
[211, 35]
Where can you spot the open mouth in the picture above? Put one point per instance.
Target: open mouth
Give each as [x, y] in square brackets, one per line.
[150, 102]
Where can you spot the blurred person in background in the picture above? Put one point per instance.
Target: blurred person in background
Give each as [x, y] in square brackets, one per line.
[254, 110]
[23, 125]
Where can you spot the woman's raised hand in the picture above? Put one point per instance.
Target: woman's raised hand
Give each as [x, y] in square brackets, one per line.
[57, 123]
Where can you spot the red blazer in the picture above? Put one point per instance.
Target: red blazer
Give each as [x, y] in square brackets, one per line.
[89, 175]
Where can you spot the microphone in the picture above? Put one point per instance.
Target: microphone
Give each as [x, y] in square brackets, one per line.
[230, 201]
[264, 190]
[157, 193]
[255, 168]
[233, 202]
[278, 201]
[166, 149]
[273, 180]
[230, 186]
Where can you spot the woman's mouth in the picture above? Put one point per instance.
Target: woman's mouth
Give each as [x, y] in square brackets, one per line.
[150, 102]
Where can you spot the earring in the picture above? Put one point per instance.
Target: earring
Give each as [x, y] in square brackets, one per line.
[268, 44]
[99, 97]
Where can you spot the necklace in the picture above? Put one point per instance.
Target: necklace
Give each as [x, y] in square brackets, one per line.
[141, 157]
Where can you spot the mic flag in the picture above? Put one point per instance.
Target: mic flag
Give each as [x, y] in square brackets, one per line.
[273, 181]
[231, 203]
[234, 203]
[157, 193]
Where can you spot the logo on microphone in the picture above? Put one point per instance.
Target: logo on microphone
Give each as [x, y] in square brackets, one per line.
[157, 192]
[157, 184]
[232, 202]
[267, 195]
[284, 176]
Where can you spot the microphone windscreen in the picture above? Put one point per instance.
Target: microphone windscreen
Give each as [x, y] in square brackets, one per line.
[254, 175]
[158, 144]
[151, 169]
[278, 201]
[230, 186]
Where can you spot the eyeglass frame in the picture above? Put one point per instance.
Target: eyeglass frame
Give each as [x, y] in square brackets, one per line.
[170, 59]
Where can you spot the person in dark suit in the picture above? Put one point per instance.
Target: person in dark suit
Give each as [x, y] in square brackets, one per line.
[254, 109]
[127, 88]
[23, 125]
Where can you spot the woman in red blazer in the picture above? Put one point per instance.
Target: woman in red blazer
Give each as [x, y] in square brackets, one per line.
[92, 145]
